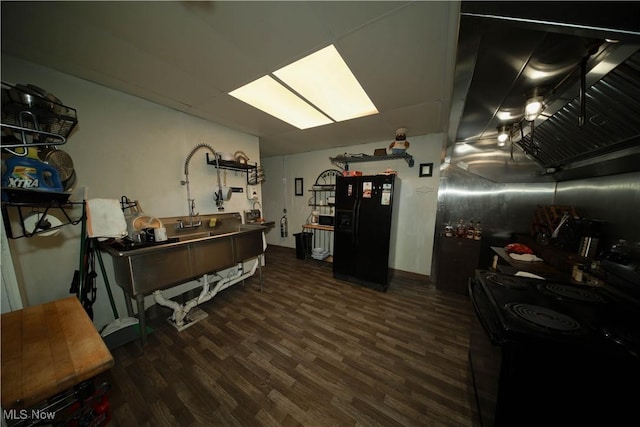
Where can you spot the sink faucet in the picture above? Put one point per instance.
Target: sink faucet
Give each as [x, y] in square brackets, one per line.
[194, 219]
[193, 222]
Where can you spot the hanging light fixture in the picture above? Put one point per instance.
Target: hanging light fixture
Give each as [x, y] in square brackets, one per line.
[503, 134]
[533, 108]
[534, 105]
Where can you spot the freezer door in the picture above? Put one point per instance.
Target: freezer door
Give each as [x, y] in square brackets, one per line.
[346, 193]
[343, 229]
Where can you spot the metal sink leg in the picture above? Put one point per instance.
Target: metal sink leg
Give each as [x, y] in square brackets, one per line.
[142, 319]
[260, 257]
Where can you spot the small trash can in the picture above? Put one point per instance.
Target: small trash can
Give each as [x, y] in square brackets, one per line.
[304, 241]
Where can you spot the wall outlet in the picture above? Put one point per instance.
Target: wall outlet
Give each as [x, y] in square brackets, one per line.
[252, 192]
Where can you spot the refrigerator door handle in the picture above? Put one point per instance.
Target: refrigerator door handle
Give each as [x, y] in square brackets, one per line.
[356, 225]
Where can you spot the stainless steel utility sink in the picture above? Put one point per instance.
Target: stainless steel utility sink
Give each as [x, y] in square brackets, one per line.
[195, 253]
[189, 254]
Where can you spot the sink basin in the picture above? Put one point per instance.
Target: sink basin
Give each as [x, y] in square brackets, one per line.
[192, 236]
[183, 237]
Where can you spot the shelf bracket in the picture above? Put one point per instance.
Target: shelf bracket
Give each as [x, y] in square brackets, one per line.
[45, 207]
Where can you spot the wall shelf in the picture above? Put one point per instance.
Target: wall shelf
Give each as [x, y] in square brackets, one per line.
[343, 161]
[322, 199]
[33, 118]
[250, 169]
[325, 191]
[23, 209]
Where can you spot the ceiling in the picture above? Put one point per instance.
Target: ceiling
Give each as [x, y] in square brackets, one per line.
[431, 67]
[188, 55]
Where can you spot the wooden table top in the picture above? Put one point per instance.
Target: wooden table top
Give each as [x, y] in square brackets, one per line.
[318, 227]
[47, 349]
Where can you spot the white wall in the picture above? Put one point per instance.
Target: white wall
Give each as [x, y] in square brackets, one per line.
[418, 203]
[9, 289]
[122, 145]
[125, 145]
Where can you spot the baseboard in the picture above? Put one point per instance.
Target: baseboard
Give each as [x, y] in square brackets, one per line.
[410, 275]
[395, 273]
[280, 248]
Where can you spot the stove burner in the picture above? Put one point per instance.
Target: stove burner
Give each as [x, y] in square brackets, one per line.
[543, 317]
[572, 293]
[506, 281]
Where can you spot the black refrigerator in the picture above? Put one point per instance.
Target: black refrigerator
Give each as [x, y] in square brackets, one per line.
[364, 229]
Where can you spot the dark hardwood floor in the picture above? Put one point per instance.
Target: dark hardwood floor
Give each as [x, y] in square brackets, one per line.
[308, 351]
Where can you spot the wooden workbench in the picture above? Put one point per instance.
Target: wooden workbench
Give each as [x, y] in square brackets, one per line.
[48, 349]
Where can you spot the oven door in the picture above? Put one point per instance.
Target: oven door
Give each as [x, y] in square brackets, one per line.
[485, 356]
[522, 379]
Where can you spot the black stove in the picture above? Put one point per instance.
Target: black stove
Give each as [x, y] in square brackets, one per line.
[563, 354]
[573, 293]
[544, 319]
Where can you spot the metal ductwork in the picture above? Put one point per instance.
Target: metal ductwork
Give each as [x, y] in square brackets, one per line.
[596, 133]
[588, 71]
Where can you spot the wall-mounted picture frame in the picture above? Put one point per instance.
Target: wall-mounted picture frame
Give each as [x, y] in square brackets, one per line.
[299, 186]
[426, 169]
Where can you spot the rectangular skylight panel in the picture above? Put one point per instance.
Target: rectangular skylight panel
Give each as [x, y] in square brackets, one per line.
[325, 80]
[273, 98]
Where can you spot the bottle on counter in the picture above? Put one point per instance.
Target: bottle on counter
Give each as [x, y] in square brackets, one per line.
[577, 272]
[448, 230]
[471, 231]
[460, 229]
[478, 232]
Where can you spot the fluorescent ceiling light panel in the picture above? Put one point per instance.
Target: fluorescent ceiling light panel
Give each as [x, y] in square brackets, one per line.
[273, 98]
[322, 79]
[325, 80]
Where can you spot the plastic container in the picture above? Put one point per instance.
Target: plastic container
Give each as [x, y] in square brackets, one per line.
[31, 174]
[303, 244]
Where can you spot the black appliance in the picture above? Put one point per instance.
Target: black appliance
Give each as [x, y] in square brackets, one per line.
[621, 264]
[364, 226]
[552, 354]
[326, 220]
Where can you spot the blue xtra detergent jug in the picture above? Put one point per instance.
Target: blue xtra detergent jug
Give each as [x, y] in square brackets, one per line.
[31, 174]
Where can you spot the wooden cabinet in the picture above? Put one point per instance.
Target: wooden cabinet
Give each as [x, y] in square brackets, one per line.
[458, 260]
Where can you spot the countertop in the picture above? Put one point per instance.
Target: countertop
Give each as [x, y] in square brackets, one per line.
[120, 248]
[47, 349]
[267, 223]
[536, 267]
